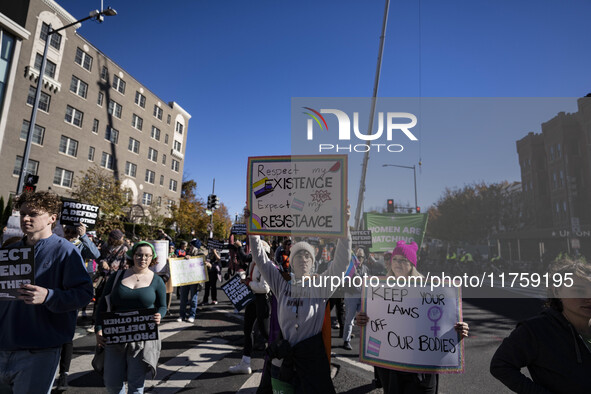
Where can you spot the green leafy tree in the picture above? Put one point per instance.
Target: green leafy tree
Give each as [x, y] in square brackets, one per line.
[189, 215]
[222, 222]
[97, 186]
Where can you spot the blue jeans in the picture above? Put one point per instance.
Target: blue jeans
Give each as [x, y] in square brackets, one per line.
[28, 371]
[118, 361]
[185, 291]
[352, 306]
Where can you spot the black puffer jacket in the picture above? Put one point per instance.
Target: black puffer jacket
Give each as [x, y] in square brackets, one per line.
[553, 352]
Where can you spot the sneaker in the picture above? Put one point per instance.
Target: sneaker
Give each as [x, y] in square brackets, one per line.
[179, 320]
[241, 367]
[336, 325]
[62, 382]
[90, 329]
[191, 319]
[213, 303]
[347, 345]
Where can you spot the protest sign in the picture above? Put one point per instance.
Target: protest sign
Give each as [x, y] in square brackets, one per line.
[133, 326]
[17, 267]
[361, 238]
[187, 271]
[215, 244]
[389, 228]
[161, 248]
[74, 212]
[297, 195]
[238, 229]
[411, 328]
[238, 293]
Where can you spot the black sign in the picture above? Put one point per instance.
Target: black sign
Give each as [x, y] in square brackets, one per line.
[17, 267]
[133, 326]
[74, 212]
[238, 293]
[361, 238]
[215, 244]
[239, 229]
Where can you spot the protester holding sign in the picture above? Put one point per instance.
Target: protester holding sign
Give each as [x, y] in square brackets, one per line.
[135, 289]
[555, 346]
[403, 263]
[214, 273]
[33, 330]
[299, 360]
[353, 298]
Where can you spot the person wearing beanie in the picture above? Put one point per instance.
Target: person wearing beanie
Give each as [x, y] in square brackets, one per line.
[300, 360]
[403, 263]
[132, 289]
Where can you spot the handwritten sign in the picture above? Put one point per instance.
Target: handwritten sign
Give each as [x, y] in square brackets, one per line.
[133, 326]
[411, 329]
[17, 267]
[161, 248]
[238, 293]
[389, 228]
[187, 271]
[238, 229]
[74, 212]
[361, 238]
[301, 195]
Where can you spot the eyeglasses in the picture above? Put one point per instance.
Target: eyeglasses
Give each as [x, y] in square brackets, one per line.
[142, 256]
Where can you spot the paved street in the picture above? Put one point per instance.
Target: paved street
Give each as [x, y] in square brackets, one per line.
[196, 357]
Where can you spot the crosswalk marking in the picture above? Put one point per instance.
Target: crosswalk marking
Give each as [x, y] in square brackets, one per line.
[352, 362]
[251, 385]
[187, 366]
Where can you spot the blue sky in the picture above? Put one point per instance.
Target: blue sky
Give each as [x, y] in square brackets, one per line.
[235, 65]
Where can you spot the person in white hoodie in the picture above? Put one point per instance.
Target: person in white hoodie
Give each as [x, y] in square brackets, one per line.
[257, 310]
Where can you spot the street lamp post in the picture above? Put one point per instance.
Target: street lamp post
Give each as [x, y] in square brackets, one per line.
[414, 170]
[96, 15]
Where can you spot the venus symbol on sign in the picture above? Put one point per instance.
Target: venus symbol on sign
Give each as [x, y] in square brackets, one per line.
[434, 314]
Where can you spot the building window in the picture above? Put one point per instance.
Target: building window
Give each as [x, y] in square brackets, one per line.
[112, 135]
[554, 181]
[55, 40]
[32, 166]
[168, 119]
[91, 153]
[134, 145]
[558, 151]
[95, 126]
[83, 59]
[63, 177]
[147, 199]
[140, 99]
[130, 169]
[157, 112]
[179, 128]
[79, 87]
[118, 84]
[152, 154]
[137, 122]
[68, 146]
[100, 99]
[561, 178]
[161, 180]
[166, 139]
[50, 66]
[74, 116]
[115, 109]
[173, 185]
[170, 204]
[551, 152]
[150, 176]
[104, 73]
[163, 158]
[38, 133]
[155, 133]
[176, 165]
[107, 161]
[44, 99]
[177, 146]
[159, 203]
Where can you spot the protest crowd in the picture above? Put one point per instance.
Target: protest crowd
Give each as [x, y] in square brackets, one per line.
[128, 285]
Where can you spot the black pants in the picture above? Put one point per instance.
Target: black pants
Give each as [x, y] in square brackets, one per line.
[407, 382]
[66, 357]
[339, 303]
[257, 310]
[211, 285]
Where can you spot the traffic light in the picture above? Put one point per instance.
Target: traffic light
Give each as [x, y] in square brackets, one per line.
[390, 205]
[215, 202]
[31, 182]
[210, 201]
[418, 209]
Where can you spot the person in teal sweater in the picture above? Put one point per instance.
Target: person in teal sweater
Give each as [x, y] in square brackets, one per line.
[133, 289]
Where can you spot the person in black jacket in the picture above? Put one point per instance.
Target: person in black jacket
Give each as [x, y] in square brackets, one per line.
[555, 346]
